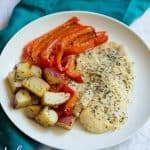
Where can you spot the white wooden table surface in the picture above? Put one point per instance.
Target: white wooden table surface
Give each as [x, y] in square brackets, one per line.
[139, 141]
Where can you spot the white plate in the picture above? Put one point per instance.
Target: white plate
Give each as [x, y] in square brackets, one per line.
[77, 138]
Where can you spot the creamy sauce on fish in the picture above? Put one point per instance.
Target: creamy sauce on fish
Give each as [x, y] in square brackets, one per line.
[105, 95]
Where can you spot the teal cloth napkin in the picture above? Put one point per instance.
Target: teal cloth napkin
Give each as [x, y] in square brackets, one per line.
[28, 10]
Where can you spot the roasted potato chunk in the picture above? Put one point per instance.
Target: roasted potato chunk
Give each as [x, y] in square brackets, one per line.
[36, 85]
[32, 111]
[22, 99]
[52, 76]
[52, 99]
[47, 117]
[23, 71]
[14, 85]
[36, 71]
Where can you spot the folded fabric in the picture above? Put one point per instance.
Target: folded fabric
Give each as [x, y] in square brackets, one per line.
[28, 10]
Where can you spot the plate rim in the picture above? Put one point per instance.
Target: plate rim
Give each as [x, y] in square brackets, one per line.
[71, 12]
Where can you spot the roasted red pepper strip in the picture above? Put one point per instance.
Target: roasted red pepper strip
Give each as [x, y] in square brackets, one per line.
[70, 38]
[47, 59]
[36, 46]
[101, 37]
[75, 50]
[32, 46]
[59, 50]
[83, 38]
[76, 76]
[47, 62]
[69, 105]
[58, 57]
[27, 54]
